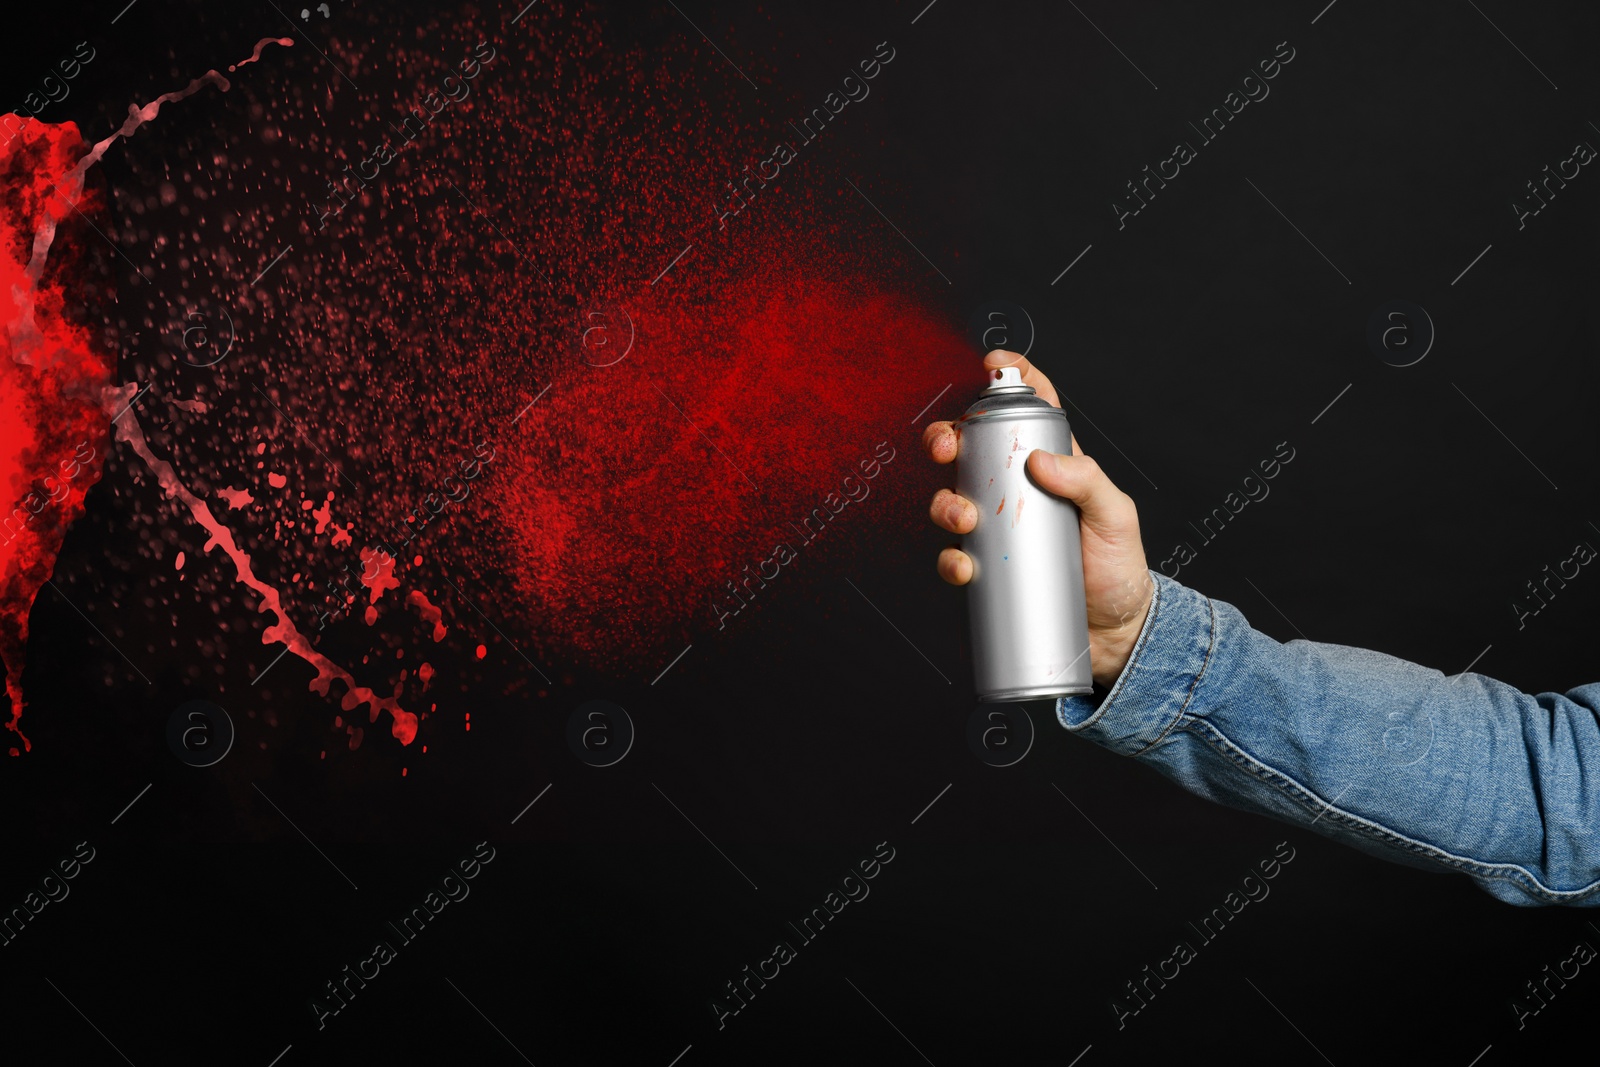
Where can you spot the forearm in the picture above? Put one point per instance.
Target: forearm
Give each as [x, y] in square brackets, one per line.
[1462, 773]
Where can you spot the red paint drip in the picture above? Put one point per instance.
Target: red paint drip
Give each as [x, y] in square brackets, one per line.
[284, 630]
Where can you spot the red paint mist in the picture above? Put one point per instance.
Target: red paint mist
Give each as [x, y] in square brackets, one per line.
[403, 345]
[51, 379]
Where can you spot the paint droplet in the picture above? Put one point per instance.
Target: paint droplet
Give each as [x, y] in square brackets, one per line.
[482, 651]
[179, 562]
[1002, 506]
[277, 481]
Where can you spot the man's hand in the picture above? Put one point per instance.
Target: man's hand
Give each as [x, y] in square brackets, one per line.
[1116, 578]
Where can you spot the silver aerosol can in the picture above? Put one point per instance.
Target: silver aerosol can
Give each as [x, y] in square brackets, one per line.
[1030, 622]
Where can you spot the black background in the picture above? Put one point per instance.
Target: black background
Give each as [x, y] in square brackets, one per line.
[1191, 342]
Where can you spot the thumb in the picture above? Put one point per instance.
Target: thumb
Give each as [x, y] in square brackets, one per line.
[1104, 508]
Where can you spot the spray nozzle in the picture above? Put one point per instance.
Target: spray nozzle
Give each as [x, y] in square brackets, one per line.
[1006, 380]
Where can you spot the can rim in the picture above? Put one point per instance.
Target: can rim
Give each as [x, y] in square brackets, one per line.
[1029, 411]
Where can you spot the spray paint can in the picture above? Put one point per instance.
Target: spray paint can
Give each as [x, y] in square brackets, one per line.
[1030, 621]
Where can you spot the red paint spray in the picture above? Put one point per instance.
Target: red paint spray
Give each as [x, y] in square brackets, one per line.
[419, 364]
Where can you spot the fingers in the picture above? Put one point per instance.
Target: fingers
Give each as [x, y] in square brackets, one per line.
[955, 566]
[1080, 479]
[940, 441]
[954, 513]
[1031, 375]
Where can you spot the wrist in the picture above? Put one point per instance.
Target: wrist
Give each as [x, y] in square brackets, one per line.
[1116, 643]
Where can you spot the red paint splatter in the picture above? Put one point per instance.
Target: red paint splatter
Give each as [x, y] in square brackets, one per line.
[324, 514]
[1002, 506]
[768, 360]
[68, 380]
[419, 600]
[52, 378]
[377, 574]
[284, 630]
[256, 55]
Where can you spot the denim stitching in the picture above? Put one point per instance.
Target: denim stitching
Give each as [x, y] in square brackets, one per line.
[1517, 875]
[1127, 672]
[1194, 685]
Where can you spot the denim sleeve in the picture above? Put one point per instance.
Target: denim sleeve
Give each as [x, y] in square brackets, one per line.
[1461, 773]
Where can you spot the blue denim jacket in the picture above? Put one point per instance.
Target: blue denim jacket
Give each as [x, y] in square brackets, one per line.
[1462, 773]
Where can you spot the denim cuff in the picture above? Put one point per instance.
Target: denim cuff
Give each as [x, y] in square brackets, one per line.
[1155, 688]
